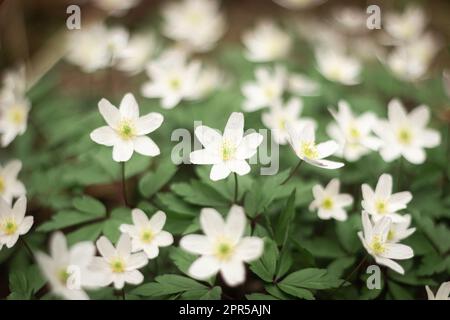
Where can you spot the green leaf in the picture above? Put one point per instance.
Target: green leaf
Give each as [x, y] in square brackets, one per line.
[202, 294]
[312, 278]
[296, 291]
[265, 267]
[66, 218]
[89, 205]
[182, 259]
[282, 228]
[166, 285]
[259, 296]
[199, 194]
[398, 292]
[152, 182]
[87, 233]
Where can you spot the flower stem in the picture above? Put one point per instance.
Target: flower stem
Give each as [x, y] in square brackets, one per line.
[236, 188]
[399, 173]
[123, 293]
[293, 171]
[354, 270]
[124, 186]
[27, 248]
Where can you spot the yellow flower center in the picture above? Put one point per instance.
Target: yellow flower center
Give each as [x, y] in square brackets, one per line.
[126, 130]
[117, 265]
[16, 115]
[269, 92]
[63, 276]
[2, 184]
[227, 150]
[308, 150]
[381, 207]
[354, 133]
[391, 235]
[327, 203]
[377, 246]
[175, 83]
[147, 236]
[9, 226]
[282, 123]
[224, 250]
[336, 73]
[405, 136]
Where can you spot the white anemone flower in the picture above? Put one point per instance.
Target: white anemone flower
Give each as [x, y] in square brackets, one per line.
[116, 7]
[67, 269]
[338, 67]
[351, 19]
[443, 292]
[126, 130]
[147, 234]
[13, 222]
[172, 78]
[405, 134]
[298, 4]
[267, 90]
[196, 24]
[117, 264]
[10, 186]
[228, 152]
[353, 134]
[406, 26]
[280, 117]
[13, 117]
[400, 230]
[302, 85]
[303, 142]
[223, 248]
[266, 42]
[210, 79]
[329, 202]
[134, 57]
[382, 202]
[374, 240]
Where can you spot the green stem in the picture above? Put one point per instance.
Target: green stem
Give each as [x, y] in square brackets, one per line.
[123, 294]
[124, 186]
[354, 270]
[399, 173]
[236, 188]
[293, 172]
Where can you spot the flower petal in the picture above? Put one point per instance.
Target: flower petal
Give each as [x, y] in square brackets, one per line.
[211, 222]
[250, 249]
[197, 244]
[241, 167]
[219, 171]
[105, 136]
[105, 247]
[109, 112]
[235, 223]
[204, 267]
[146, 146]
[234, 129]
[397, 251]
[208, 137]
[157, 221]
[148, 123]
[164, 239]
[233, 272]
[129, 108]
[139, 218]
[134, 277]
[204, 156]
[384, 186]
[136, 260]
[123, 150]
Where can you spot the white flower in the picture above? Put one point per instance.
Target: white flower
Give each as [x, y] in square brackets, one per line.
[267, 42]
[406, 134]
[67, 269]
[227, 152]
[329, 202]
[302, 85]
[280, 117]
[353, 134]
[117, 264]
[442, 293]
[116, 7]
[126, 131]
[400, 230]
[337, 67]
[133, 58]
[197, 24]
[351, 19]
[147, 234]
[14, 82]
[13, 222]
[374, 240]
[266, 91]
[303, 142]
[406, 26]
[209, 79]
[172, 79]
[223, 248]
[10, 187]
[381, 202]
[298, 4]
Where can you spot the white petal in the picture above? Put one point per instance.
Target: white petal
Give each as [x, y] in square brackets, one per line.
[129, 108]
[146, 146]
[12, 169]
[123, 246]
[241, 167]
[326, 149]
[325, 164]
[233, 272]
[195, 243]
[431, 138]
[134, 277]
[204, 267]
[414, 155]
[58, 246]
[208, 137]
[123, 150]
[344, 199]
[399, 200]
[212, 222]
[164, 239]
[367, 225]
[384, 186]
[397, 251]
[157, 221]
[139, 218]
[82, 253]
[219, 171]
[19, 208]
[234, 129]
[151, 251]
[136, 261]
[390, 264]
[420, 116]
[250, 249]
[429, 293]
[333, 187]
[105, 136]
[396, 112]
[148, 123]
[105, 247]
[249, 145]
[443, 291]
[26, 225]
[235, 223]
[109, 113]
[204, 156]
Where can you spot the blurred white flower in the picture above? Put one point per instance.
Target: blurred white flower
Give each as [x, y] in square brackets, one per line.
[319, 35]
[302, 85]
[298, 4]
[329, 203]
[382, 202]
[126, 130]
[172, 79]
[67, 269]
[133, 58]
[374, 240]
[209, 79]
[14, 82]
[117, 264]
[400, 230]
[353, 134]
[443, 292]
[13, 222]
[116, 7]
[406, 134]
[267, 90]
[303, 142]
[228, 152]
[338, 67]
[266, 42]
[280, 117]
[147, 234]
[406, 26]
[223, 248]
[196, 24]
[351, 19]
[10, 186]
